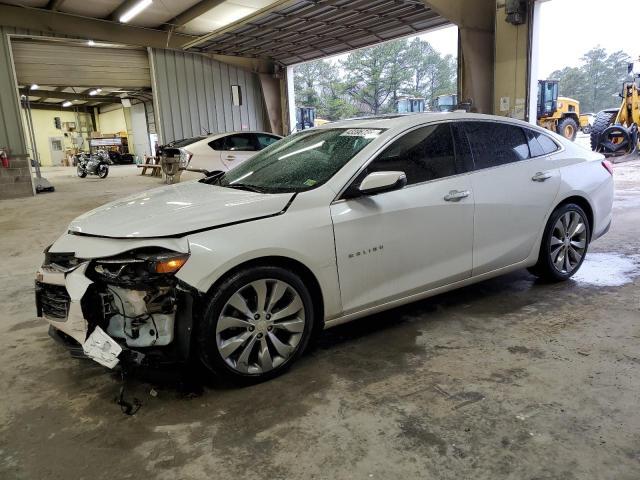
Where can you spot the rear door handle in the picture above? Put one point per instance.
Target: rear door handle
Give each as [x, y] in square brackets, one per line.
[456, 195]
[541, 176]
[230, 157]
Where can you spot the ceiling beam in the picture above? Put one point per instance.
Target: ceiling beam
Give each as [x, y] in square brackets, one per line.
[49, 21]
[263, 11]
[59, 108]
[69, 96]
[192, 13]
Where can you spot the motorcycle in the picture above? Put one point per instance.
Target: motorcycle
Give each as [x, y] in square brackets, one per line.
[94, 165]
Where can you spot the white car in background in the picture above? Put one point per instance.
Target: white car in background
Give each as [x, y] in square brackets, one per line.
[325, 226]
[218, 152]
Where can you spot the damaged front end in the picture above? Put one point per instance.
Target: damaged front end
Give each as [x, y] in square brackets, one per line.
[129, 307]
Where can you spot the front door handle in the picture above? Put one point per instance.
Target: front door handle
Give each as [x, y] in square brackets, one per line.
[230, 157]
[541, 176]
[456, 195]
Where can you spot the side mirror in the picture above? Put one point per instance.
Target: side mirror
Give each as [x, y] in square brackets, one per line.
[378, 182]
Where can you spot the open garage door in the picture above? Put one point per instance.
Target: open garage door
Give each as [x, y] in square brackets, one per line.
[61, 63]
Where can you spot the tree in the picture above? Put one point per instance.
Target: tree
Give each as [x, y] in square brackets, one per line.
[370, 80]
[376, 74]
[305, 80]
[596, 81]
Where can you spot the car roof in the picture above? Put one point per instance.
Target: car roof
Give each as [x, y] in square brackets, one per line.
[404, 121]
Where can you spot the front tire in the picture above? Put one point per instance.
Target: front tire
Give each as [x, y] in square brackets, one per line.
[81, 172]
[568, 128]
[257, 323]
[103, 171]
[564, 244]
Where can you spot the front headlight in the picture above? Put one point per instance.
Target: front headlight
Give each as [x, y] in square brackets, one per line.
[167, 262]
[140, 268]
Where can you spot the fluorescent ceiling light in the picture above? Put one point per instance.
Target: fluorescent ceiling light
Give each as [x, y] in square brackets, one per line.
[67, 104]
[95, 91]
[135, 10]
[91, 43]
[34, 87]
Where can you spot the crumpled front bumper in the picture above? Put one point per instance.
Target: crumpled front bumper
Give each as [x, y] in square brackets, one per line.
[70, 327]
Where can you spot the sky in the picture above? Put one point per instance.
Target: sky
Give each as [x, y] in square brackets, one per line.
[612, 24]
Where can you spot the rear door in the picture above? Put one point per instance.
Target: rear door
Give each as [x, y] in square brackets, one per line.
[513, 189]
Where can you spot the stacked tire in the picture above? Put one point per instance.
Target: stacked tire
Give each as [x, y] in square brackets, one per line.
[602, 121]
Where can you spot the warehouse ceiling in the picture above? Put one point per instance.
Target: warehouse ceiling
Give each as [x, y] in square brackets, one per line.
[286, 31]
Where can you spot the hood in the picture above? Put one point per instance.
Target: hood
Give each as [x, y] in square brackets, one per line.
[176, 210]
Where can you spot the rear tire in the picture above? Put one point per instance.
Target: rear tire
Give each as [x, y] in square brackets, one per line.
[257, 323]
[568, 128]
[602, 121]
[564, 244]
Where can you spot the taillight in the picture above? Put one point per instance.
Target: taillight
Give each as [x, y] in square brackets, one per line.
[608, 165]
[185, 158]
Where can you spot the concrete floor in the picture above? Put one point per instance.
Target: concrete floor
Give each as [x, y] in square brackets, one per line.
[505, 379]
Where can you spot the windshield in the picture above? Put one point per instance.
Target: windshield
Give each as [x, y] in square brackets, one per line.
[299, 162]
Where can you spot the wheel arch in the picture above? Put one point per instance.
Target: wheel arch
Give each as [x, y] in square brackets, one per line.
[583, 203]
[307, 276]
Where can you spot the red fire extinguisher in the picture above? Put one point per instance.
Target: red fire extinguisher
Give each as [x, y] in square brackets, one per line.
[4, 156]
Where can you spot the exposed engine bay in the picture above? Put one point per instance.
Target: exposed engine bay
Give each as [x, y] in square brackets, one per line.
[133, 297]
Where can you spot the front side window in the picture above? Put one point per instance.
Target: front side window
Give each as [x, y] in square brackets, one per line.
[299, 162]
[494, 144]
[423, 154]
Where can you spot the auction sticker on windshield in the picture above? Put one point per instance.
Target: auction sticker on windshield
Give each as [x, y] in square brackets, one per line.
[361, 132]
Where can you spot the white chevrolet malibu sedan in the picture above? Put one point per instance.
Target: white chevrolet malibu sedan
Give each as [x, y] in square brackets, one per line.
[218, 152]
[241, 269]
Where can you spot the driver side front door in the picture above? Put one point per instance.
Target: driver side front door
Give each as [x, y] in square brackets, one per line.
[403, 242]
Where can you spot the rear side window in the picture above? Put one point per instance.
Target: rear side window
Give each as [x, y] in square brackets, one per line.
[265, 140]
[217, 144]
[494, 144]
[243, 142]
[239, 142]
[423, 154]
[540, 144]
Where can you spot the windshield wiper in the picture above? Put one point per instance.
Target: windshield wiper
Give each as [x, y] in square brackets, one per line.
[244, 186]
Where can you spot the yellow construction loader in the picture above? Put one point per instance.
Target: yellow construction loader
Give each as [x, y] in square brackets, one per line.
[615, 131]
[559, 114]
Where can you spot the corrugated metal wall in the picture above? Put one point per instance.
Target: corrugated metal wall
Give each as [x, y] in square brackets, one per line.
[193, 94]
[11, 134]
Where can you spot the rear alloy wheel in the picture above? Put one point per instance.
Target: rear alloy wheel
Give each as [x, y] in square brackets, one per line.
[564, 244]
[257, 324]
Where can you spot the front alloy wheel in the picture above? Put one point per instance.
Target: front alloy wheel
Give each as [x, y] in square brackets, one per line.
[260, 326]
[257, 323]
